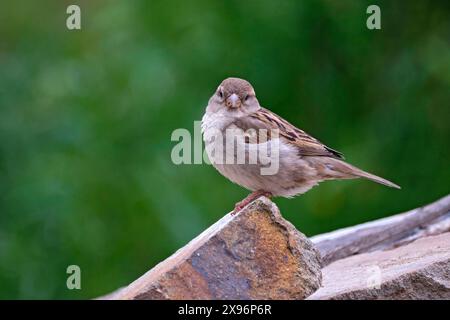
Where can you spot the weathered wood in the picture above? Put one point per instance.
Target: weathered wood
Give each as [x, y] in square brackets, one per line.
[385, 233]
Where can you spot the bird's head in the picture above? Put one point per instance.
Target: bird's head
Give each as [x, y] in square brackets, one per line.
[234, 95]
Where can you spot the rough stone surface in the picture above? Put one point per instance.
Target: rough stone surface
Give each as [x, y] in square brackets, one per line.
[419, 270]
[255, 254]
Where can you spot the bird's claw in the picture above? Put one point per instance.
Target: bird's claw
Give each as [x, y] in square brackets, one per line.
[250, 198]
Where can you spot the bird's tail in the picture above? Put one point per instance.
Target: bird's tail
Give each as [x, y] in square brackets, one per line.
[367, 175]
[349, 171]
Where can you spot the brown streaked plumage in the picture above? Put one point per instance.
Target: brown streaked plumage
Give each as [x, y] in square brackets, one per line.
[303, 160]
[306, 144]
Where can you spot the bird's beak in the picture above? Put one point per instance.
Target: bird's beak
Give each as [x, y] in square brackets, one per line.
[233, 101]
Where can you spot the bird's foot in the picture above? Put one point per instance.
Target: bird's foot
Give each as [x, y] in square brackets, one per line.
[250, 198]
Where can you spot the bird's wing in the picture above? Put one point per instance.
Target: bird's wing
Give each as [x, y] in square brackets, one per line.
[306, 144]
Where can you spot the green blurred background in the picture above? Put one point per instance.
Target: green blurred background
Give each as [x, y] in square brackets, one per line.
[86, 118]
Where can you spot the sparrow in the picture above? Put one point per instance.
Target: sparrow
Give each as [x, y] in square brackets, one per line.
[302, 163]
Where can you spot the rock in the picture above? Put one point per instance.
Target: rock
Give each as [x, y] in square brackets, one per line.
[255, 254]
[418, 270]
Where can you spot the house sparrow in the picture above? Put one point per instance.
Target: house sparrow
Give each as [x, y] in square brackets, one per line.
[303, 161]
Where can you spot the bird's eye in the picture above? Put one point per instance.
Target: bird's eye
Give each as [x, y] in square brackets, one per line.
[247, 96]
[220, 93]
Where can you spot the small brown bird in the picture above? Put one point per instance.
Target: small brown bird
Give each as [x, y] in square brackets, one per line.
[301, 163]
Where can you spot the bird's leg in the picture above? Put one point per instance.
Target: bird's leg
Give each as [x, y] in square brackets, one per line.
[252, 196]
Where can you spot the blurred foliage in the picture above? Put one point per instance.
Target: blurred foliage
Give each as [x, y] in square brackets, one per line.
[86, 118]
